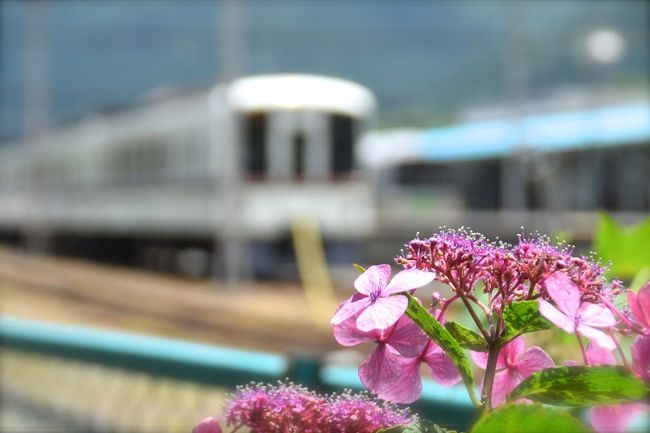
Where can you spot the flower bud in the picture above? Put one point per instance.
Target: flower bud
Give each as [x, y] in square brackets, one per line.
[208, 425]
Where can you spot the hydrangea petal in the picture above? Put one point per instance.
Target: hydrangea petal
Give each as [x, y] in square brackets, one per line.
[407, 337]
[442, 369]
[391, 376]
[348, 309]
[207, 425]
[564, 293]
[640, 305]
[614, 419]
[504, 382]
[597, 355]
[641, 357]
[479, 358]
[375, 276]
[407, 280]
[383, 313]
[347, 334]
[597, 336]
[596, 315]
[556, 316]
[532, 360]
[511, 351]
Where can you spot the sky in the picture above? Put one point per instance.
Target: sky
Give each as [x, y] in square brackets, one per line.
[428, 62]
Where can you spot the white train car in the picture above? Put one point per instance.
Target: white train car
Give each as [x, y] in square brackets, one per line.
[244, 157]
[545, 172]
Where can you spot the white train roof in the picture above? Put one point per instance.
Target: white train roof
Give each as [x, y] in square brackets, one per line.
[301, 92]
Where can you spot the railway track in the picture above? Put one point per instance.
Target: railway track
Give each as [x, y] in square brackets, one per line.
[267, 317]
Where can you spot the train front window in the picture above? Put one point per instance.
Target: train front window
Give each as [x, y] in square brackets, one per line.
[298, 155]
[342, 133]
[254, 134]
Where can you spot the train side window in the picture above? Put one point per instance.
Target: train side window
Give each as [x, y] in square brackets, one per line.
[634, 180]
[534, 195]
[254, 132]
[196, 146]
[342, 133]
[609, 182]
[480, 182]
[156, 154]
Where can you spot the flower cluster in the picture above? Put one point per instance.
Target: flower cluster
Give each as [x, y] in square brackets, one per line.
[456, 256]
[289, 408]
[508, 290]
[462, 259]
[571, 293]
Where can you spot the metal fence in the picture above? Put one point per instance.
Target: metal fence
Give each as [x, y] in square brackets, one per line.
[60, 378]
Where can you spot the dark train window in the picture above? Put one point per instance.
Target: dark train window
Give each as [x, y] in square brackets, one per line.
[254, 133]
[534, 194]
[298, 155]
[610, 180]
[421, 174]
[634, 179]
[480, 181]
[342, 132]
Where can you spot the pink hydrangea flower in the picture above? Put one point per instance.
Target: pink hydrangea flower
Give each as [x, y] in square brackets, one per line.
[456, 256]
[610, 419]
[538, 257]
[641, 358]
[392, 371]
[289, 408]
[640, 305]
[574, 316]
[614, 419]
[373, 303]
[514, 364]
[396, 378]
[208, 425]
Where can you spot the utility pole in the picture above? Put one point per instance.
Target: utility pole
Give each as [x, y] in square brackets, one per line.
[230, 242]
[36, 118]
[513, 193]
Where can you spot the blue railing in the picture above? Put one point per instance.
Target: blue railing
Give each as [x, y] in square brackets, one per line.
[208, 364]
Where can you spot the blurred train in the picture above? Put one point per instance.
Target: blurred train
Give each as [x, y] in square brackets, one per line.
[183, 179]
[162, 183]
[547, 172]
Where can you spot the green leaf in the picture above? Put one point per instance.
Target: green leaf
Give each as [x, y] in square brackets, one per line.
[641, 277]
[522, 317]
[625, 247]
[582, 386]
[420, 426]
[466, 337]
[359, 268]
[440, 335]
[528, 418]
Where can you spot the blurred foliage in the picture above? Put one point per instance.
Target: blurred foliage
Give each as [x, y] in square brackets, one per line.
[528, 418]
[626, 248]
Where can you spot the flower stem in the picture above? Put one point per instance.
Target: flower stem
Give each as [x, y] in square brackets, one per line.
[490, 371]
[458, 288]
[615, 310]
[582, 348]
[444, 307]
[531, 290]
[472, 313]
[472, 396]
[619, 348]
